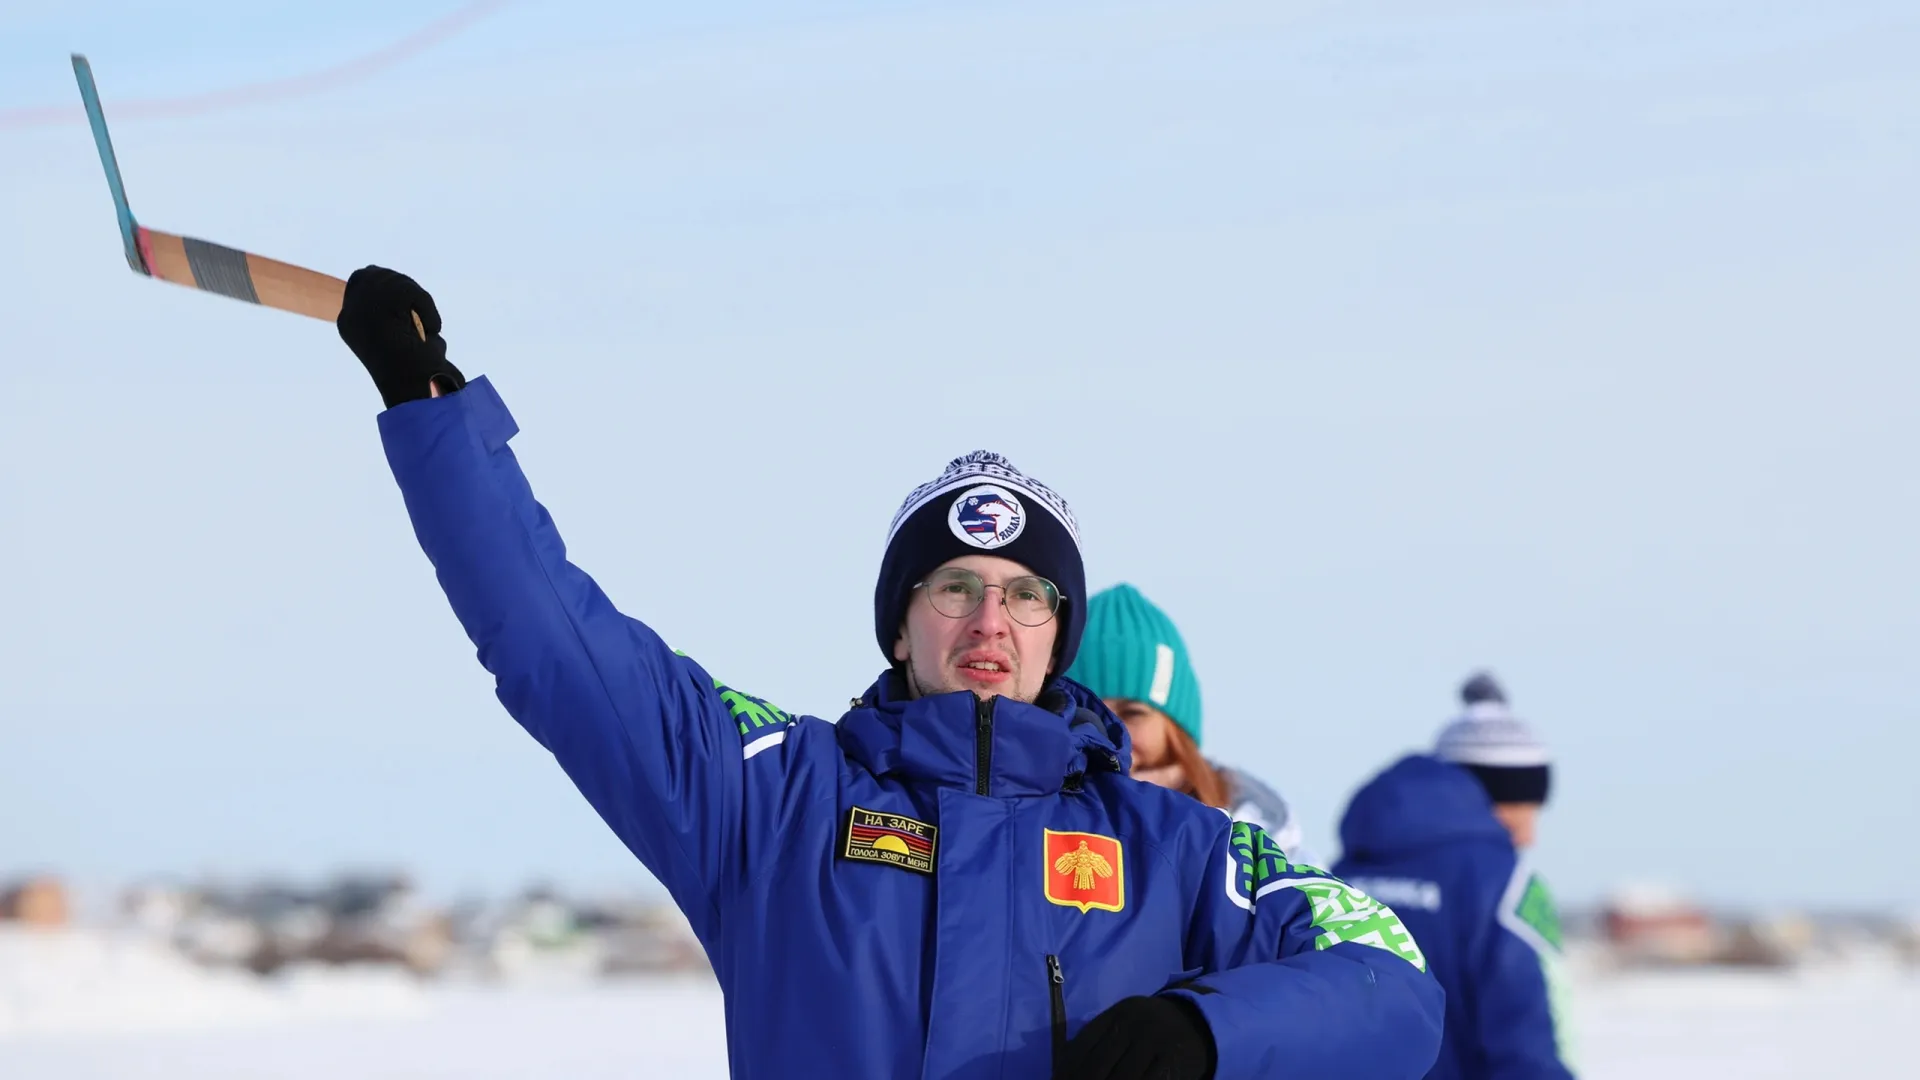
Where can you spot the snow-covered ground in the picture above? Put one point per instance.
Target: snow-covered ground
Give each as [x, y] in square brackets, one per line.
[80, 1007]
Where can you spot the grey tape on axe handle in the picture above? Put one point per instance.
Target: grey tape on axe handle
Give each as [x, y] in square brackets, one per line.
[220, 270]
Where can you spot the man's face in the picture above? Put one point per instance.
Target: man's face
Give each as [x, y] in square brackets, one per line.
[1521, 819]
[985, 652]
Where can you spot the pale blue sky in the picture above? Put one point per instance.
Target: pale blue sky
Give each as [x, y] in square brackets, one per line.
[1376, 341]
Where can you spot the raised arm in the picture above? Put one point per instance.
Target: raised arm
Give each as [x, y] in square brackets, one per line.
[645, 734]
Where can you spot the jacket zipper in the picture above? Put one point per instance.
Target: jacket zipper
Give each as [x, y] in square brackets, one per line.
[982, 743]
[1058, 988]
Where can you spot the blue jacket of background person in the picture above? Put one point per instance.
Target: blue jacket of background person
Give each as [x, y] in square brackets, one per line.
[1422, 837]
[939, 887]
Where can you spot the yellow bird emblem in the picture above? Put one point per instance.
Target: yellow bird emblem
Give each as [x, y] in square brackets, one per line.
[1083, 864]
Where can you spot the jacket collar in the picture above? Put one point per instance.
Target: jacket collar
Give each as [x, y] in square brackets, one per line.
[948, 739]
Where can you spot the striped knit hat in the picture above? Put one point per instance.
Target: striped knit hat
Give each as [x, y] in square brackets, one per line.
[1495, 745]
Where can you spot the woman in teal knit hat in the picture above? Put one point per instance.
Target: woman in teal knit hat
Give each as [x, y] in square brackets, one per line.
[1134, 658]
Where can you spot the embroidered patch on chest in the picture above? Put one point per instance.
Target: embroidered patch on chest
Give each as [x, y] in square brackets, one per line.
[891, 839]
[1085, 870]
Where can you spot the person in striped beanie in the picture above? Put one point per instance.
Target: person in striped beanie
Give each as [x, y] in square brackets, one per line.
[1445, 837]
[1502, 752]
[1133, 657]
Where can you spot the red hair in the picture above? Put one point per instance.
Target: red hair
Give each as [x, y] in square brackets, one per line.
[1204, 782]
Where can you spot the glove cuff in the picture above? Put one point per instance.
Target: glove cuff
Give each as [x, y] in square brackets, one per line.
[1202, 1031]
[398, 390]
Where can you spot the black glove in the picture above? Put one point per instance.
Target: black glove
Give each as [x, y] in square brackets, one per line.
[377, 321]
[1142, 1038]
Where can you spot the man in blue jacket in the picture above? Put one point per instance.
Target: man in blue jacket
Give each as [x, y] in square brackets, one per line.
[1443, 838]
[958, 879]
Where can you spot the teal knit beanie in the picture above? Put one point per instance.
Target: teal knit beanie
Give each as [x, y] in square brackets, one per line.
[1131, 650]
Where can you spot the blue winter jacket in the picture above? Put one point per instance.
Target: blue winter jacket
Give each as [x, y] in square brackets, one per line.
[1422, 837]
[939, 887]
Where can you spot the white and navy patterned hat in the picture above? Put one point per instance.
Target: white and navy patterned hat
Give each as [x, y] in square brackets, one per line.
[1496, 746]
[981, 504]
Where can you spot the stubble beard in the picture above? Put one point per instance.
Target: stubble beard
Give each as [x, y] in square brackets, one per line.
[921, 687]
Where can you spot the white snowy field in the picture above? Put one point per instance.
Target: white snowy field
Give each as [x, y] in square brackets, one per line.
[79, 1007]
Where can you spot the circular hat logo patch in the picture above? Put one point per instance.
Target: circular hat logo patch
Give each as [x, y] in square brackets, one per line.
[987, 516]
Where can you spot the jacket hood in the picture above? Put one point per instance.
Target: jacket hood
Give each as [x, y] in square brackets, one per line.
[1417, 802]
[1033, 748]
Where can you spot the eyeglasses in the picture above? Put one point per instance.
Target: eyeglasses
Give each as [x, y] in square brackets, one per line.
[957, 593]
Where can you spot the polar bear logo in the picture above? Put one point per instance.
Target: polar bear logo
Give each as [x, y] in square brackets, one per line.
[988, 516]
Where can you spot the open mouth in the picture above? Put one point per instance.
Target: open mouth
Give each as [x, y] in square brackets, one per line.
[985, 670]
